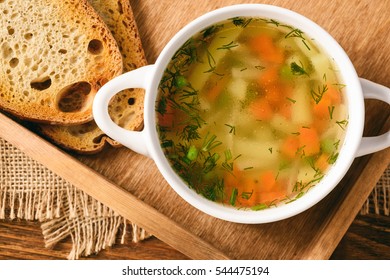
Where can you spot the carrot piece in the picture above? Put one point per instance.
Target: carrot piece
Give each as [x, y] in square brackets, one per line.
[274, 95]
[320, 125]
[249, 194]
[309, 141]
[268, 197]
[264, 46]
[321, 110]
[261, 109]
[269, 76]
[333, 93]
[267, 181]
[215, 90]
[290, 146]
[322, 162]
[167, 118]
[285, 110]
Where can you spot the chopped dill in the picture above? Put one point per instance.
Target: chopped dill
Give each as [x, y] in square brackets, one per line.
[317, 95]
[190, 132]
[248, 168]
[331, 110]
[233, 197]
[210, 162]
[211, 30]
[291, 100]
[340, 86]
[333, 157]
[246, 195]
[342, 124]
[210, 143]
[260, 206]
[232, 128]
[241, 22]
[298, 70]
[270, 150]
[228, 46]
[259, 67]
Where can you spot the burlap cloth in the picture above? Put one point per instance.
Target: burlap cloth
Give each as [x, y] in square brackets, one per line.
[30, 191]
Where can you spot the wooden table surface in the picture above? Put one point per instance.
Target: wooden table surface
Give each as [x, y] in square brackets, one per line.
[368, 238]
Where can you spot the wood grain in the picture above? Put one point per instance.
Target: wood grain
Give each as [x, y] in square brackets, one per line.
[368, 238]
[132, 185]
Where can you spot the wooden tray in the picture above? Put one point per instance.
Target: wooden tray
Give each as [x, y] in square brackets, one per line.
[132, 185]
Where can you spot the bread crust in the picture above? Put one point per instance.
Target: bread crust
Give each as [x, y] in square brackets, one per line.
[54, 56]
[126, 108]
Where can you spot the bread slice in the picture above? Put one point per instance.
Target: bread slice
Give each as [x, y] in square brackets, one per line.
[126, 108]
[54, 56]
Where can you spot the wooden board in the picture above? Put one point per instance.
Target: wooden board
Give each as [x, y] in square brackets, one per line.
[132, 185]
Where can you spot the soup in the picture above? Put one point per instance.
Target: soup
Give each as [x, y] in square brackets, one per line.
[251, 113]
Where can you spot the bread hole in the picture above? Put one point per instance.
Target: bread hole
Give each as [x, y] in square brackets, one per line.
[120, 7]
[6, 50]
[95, 46]
[28, 36]
[131, 101]
[79, 130]
[74, 97]
[98, 139]
[41, 83]
[10, 30]
[62, 51]
[14, 62]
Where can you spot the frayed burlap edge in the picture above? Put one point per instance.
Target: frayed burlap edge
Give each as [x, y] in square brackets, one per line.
[30, 191]
[379, 200]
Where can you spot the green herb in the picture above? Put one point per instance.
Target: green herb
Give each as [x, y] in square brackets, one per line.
[324, 77]
[210, 31]
[301, 149]
[214, 191]
[296, 133]
[291, 100]
[189, 132]
[167, 144]
[270, 150]
[297, 33]
[192, 153]
[228, 46]
[210, 143]
[260, 206]
[210, 162]
[259, 67]
[331, 110]
[274, 22]
[317, 95]
[243, 69]
[232, 128]
[241, 22]
[333, 157]
[211, 62]
[298, 70]
[343, 124]
[162, 105]
[340, 86]
[246, 195]
[180, 81]
[336, 144]
[233, 197]
[248, 168]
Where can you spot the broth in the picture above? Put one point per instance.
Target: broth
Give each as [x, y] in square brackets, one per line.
[251, 113]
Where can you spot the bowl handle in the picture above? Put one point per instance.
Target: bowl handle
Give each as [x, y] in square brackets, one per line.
[370, 145]
[139, 78]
